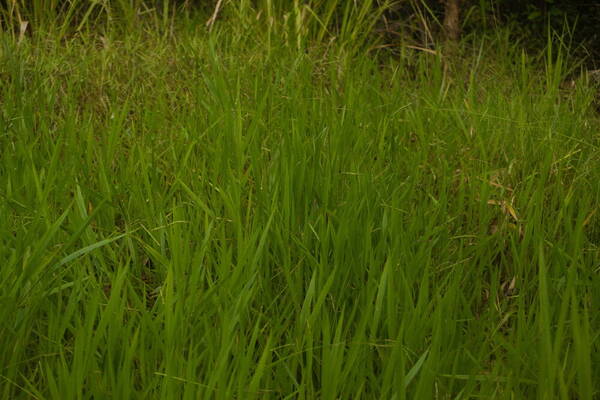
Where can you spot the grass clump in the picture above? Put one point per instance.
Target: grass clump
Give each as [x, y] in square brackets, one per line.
[190, 215]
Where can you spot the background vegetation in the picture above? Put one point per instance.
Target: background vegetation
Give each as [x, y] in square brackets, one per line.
[295, 200]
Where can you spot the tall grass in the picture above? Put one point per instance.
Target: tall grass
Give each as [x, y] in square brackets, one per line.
[270, 213]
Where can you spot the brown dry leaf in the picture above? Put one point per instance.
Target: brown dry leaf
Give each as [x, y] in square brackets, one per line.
[494, 180]
[22, 29]
[508, 287]
[511, 211]
[507, 208]
[105, 42]
[498, 185]
[589, 217]
[511, 286]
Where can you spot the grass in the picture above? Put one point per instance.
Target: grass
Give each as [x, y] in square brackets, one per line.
[253, 215]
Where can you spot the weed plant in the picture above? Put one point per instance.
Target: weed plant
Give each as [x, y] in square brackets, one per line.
[270, 213]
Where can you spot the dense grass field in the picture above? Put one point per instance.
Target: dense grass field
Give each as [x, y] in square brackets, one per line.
[256, 213]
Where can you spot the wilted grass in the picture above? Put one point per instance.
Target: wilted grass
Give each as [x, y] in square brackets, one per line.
[246, 215]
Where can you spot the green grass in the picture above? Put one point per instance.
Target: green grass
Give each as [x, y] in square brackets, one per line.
[249, 215]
